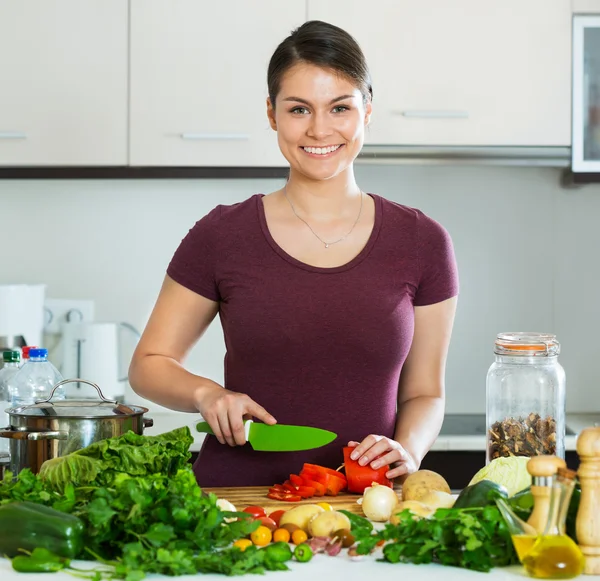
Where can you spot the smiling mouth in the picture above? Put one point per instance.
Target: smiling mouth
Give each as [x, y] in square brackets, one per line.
[322, 151]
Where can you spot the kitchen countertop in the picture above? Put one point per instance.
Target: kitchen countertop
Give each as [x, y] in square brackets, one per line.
[165, 421]
[330, 568]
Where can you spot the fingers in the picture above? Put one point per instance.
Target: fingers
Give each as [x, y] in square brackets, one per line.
[397, 472]
[364, 452]
[259, 412]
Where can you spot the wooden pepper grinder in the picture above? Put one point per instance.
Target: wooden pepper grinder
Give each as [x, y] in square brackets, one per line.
[543, 469]
[587, 523]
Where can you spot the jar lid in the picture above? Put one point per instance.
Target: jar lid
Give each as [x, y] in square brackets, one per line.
[526, 344]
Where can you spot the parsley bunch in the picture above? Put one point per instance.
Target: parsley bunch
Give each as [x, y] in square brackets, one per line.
[472, 538]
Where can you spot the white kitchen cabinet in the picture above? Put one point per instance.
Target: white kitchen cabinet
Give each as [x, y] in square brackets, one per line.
[586, 6]
[199, 81]
[463, 72]
[63, 82]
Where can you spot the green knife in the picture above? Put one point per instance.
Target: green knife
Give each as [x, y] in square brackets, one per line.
[280, 437]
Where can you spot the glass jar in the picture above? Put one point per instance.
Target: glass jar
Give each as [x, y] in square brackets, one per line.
[525, 386]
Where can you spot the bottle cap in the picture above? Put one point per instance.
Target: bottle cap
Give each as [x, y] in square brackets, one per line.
[25, 350]
[38, 352]
[11, 356]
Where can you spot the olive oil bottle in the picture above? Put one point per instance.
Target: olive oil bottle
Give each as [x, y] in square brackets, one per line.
[554, 555]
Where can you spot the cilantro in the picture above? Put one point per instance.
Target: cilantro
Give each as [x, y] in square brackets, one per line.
[474, 538]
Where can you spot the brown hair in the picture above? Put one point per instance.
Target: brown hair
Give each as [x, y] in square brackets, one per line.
[324, 45]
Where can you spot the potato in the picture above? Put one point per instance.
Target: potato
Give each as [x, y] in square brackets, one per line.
[324, 524]
[437, 499]
[417, 508]
[421, 482]
[300, 515]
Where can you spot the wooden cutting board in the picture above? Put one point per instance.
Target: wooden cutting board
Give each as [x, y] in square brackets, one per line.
[243, 496]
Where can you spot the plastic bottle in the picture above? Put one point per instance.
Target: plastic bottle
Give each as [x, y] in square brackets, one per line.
[35, 380]
[11, 361]
[25, 353]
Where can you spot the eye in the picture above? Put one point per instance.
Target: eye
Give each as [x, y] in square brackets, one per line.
[299, 110]
[340, 109]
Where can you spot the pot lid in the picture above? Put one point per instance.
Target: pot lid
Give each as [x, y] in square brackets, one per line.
[74, 408]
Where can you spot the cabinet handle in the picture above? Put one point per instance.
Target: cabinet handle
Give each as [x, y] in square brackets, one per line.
[441, 114]
[215, 136]
[12, 135]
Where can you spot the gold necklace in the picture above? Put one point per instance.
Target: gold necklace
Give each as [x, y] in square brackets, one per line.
[327, 244]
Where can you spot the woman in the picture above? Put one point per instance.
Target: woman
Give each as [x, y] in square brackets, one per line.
[337, 306]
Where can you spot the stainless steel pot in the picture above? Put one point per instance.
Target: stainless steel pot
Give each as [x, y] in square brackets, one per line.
[48, 429]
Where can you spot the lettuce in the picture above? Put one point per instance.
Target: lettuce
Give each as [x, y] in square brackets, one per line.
[101, 462]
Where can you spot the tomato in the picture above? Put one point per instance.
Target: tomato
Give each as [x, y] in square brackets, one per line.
[255, 511]
[268, 522]
[276, 515]
[325, 505]
[261, 536]
[243, 544]
[361, 477]
[299, 536]
[282, 535]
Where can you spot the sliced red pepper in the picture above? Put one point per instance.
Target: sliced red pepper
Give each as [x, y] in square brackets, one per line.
[285, 496]
[317, 468]
[361, 477]
[305, 491]
[296, 480]
[334, 485]
[319, 488]
[289, 488]
[278, 488]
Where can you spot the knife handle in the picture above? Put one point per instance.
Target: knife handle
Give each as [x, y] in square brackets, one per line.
[205, 428]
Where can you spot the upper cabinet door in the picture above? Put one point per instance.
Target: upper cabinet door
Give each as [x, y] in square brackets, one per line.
[465, 72]
[199, 80]
[63, 82]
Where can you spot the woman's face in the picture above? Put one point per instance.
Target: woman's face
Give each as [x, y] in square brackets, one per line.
[320, 118]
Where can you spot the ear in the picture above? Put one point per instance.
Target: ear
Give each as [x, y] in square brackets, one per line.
[368, 111]
[271, 114]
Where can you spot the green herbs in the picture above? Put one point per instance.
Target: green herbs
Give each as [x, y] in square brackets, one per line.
[473, 538]
[142, 512]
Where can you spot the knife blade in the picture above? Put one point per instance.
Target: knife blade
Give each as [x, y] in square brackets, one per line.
[280, 437]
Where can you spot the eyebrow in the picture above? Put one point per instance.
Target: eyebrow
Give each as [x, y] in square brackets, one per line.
[300, 100]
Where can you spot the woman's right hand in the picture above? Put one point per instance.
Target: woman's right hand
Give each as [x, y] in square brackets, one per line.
[225, 412]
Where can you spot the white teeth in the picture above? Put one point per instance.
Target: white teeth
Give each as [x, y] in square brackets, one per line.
[321, 150]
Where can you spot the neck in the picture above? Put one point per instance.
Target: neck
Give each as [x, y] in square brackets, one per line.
[323, 198]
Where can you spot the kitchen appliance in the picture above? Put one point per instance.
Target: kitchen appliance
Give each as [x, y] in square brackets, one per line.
[21, 315]
[49, 429]
[94, 351]
[280, 437]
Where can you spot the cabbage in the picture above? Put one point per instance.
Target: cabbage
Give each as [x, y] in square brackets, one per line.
[510, 472]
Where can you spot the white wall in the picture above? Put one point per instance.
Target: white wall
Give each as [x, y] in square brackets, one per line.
[527, 253]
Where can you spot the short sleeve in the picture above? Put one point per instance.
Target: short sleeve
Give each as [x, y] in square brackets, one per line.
[437, 263]
[195, 261]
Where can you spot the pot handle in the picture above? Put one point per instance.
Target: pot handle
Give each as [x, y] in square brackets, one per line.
[102, 398]
[148, 422]
[24, 435]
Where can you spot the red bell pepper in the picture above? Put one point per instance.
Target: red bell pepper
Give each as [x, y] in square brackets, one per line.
[285, 496]
[318, 469]
[361, 477]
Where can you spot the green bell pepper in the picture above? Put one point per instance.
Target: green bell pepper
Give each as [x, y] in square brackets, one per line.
[480, 495]
[25, 526]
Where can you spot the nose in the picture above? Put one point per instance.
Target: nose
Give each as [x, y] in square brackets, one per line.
[320, 126]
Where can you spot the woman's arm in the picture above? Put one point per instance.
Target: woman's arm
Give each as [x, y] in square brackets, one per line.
[421, 395]
[178, 320]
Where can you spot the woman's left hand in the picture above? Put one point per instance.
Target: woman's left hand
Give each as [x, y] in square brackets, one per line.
[380, 451]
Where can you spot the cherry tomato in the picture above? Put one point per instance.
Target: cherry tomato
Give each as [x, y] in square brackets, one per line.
[261, 536]
[276, 515]
[282, 535]
[255, 511]
[298, 536]
[324, 505]
[268, 522]
[243, 544]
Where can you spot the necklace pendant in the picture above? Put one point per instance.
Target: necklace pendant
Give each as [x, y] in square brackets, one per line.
[326, 245]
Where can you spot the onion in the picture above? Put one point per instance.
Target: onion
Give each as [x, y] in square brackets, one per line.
[378, 502]
[225, 505]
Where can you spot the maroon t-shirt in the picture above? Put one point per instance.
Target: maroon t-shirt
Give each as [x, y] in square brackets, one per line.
[314, 346]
